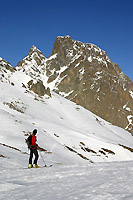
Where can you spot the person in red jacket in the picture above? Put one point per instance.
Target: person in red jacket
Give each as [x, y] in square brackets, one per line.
[33, 150]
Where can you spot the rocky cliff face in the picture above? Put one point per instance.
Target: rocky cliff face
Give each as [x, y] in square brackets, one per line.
[84, 74]
[93, 81]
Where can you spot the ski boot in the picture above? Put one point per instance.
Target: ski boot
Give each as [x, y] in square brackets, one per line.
[30, 166]
[35, 166]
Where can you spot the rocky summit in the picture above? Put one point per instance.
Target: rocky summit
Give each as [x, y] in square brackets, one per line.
[82, 73]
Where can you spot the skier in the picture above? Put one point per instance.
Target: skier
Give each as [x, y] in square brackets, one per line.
[33, 150]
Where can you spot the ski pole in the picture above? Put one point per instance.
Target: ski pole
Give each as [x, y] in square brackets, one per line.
[42, 158]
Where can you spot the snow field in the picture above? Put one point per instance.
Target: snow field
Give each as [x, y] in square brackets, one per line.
[104, 181]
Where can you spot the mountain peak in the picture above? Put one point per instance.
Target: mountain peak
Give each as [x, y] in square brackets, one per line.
[34, 59]
[33, 46]
[34, 49]
[4, 63]
[64, 37]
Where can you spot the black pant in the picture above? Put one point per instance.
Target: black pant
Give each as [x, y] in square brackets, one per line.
[35, 152]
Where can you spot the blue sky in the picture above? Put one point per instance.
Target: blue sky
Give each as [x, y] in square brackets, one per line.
[105, 23]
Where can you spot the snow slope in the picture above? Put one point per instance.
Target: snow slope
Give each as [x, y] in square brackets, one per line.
[80, 146]
[104, 181]
[64, 128]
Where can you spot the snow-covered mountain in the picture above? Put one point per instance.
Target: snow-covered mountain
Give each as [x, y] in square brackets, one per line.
[68, 131]
[80, 145]
[84, 74]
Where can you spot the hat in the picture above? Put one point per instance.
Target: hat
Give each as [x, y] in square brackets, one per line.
[35, 131]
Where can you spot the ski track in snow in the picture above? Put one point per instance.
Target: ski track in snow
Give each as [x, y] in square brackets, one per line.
[101, 181]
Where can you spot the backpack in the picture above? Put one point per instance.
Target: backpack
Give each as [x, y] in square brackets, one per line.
[29, 141]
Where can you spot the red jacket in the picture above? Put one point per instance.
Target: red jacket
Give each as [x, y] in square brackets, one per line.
[33, 145]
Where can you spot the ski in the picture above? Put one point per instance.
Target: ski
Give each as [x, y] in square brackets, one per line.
[44, 166]
[38, 167]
